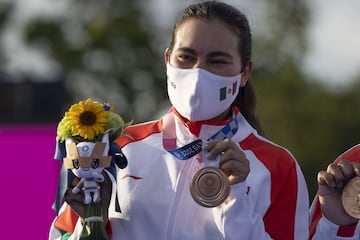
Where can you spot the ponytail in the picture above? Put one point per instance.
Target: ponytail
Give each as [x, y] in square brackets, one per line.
[246, 102]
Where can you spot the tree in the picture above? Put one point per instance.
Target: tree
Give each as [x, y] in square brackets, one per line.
[315, 124]
[105, 53]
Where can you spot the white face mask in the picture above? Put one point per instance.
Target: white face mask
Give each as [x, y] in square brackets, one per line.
[200, 95]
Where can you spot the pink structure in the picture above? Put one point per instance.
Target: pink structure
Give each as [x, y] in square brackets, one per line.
[29, 180]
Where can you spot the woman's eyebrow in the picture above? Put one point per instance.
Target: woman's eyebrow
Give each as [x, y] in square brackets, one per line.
[187, 50]
[219, 54]
[210, 54]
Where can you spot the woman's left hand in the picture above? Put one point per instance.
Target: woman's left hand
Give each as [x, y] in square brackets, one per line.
[232, 160]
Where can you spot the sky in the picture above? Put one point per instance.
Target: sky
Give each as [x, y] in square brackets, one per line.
[334, 41]
[333, 36]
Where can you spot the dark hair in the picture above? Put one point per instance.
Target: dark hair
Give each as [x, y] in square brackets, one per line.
[238, 23]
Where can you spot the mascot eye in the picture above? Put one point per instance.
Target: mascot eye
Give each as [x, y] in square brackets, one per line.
[95, 163]
[75, 163]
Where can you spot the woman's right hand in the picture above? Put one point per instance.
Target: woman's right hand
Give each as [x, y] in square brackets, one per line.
[330, 186]
[76, 201]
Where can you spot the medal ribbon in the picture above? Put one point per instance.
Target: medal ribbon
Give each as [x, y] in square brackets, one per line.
[191, 149]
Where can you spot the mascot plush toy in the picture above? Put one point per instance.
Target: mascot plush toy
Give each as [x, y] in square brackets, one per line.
[85, 138]
[87, 161]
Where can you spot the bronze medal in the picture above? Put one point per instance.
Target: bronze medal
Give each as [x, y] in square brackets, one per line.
[351, 197]
[210, 187]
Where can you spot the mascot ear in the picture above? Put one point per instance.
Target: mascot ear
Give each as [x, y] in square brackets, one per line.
[60, 151]
[68, 141]
[105, 139]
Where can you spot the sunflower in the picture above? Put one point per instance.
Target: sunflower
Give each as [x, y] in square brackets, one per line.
[88, 119]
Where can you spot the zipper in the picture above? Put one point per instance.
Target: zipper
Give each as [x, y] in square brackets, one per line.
[179, 189]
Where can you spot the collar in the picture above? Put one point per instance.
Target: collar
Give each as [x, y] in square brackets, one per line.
[195, 126]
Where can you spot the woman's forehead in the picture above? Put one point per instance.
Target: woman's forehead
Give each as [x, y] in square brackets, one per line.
[206, 35]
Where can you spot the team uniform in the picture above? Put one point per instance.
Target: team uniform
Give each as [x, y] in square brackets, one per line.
[321, 228]
[154, 189]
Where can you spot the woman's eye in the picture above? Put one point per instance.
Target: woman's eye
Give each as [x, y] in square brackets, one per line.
[75, 163]
[186, 58]
[218, 61]
[95, 163]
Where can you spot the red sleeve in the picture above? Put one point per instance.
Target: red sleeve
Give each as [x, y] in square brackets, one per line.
[66, 221]
[284, 187]
[139, 132]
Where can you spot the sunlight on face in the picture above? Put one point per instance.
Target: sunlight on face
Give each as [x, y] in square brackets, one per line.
[205, 44]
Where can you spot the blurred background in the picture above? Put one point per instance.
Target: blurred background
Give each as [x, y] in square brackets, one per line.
[54, 53]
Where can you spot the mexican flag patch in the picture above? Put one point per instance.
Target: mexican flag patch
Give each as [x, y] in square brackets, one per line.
[224, 92]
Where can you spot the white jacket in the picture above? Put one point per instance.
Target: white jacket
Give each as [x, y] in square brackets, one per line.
[155, 200]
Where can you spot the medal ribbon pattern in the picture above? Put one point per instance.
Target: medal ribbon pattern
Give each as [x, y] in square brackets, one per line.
[191, 149]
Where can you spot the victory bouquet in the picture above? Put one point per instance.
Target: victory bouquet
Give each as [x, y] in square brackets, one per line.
[85, 143]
